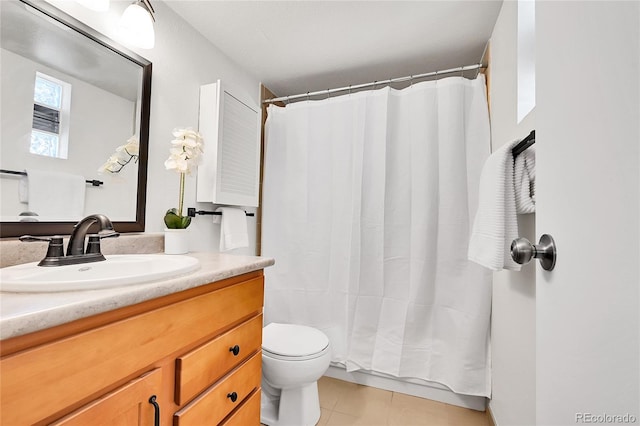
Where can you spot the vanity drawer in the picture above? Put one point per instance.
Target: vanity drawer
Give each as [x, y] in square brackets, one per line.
[247, 414]
[200, 368]
[216, 403]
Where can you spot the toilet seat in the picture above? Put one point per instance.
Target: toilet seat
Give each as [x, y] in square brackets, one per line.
[293, 342]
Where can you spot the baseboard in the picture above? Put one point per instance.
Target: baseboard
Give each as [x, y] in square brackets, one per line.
[490, 419]
[424, 389]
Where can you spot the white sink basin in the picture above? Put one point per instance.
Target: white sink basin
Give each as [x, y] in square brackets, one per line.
[116, 271]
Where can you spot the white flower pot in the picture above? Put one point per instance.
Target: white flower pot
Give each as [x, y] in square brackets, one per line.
[176, 241]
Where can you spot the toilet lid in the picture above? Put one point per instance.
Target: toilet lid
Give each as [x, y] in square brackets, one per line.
[293, 340]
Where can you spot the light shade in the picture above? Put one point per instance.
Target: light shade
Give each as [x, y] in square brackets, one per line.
[136, 27]
[97, 5]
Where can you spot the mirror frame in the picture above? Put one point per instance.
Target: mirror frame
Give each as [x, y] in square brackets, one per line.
[16, 229]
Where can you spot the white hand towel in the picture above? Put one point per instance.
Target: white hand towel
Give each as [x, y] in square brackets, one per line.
[233, 228]
[495, 225]
[524, 177]
[55, 195]
[23, 190]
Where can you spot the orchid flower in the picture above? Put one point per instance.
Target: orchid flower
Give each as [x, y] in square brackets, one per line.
[184, 156]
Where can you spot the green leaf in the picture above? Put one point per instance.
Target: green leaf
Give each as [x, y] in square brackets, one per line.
[173, 221]
[186, 221]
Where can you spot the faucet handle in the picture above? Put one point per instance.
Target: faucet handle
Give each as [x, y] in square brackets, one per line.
[93, 246]
[109, 234]
[31, 238]
[56, 248]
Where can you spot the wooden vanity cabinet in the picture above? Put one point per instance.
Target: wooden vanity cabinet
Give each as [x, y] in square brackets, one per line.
[197, 351]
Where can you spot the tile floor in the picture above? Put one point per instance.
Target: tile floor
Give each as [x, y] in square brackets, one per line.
[343, 403]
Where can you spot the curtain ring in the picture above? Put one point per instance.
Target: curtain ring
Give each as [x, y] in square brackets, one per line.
[349, 89]
[328, 94]
[411, 81]
[308, 96]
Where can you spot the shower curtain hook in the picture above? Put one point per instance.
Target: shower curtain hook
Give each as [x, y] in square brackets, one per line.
[328, 94]
[411, 81]
[349, 90]
[308, 96]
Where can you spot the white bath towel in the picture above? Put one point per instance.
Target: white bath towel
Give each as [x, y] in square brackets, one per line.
[495, 225]
[233, 228]
[55, 195]
[524, 179]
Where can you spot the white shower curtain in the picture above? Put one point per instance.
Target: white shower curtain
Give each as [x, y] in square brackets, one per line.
[369, 199]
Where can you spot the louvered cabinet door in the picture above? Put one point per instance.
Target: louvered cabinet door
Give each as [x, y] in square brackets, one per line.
[230, 123]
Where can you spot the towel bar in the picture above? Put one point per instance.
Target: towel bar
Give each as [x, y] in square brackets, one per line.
[524, 144]
[191, 211]
[93, 182]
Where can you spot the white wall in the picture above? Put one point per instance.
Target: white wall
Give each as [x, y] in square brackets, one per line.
[182, 60]
[513, 307]
[91, 141]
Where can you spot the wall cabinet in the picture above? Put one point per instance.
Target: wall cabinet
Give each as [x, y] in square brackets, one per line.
[230, 123]
[197, 351]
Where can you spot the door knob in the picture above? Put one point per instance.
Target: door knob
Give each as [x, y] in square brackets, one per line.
[522, 251]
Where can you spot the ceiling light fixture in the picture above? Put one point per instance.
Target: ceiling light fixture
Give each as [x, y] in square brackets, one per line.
[97, 5]
[136, 25]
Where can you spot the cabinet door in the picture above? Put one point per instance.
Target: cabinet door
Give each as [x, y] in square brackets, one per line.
[126, 406]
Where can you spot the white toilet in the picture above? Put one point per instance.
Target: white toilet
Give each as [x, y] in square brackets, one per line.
[294, 357]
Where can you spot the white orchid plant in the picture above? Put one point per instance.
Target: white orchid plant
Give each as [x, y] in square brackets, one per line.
[185, 155]
[124, 155]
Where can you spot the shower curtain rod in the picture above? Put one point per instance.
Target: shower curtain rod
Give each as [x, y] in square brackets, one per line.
[374, 83]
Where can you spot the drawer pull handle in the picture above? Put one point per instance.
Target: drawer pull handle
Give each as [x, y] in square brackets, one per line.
[235, 349]
[156, 407]
[232, 396]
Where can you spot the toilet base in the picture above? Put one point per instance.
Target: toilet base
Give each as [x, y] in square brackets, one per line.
[295, 407]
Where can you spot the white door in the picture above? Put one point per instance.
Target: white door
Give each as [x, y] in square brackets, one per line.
[588, 120]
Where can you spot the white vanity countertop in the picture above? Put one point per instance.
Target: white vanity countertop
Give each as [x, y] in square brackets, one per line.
[22, 313]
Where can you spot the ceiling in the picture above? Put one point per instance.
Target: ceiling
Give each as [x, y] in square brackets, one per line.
[33, 35]
[300, 46]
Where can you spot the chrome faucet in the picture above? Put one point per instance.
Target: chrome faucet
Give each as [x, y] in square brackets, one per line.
[75, 249]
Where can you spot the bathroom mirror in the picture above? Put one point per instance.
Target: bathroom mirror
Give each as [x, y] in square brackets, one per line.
[69, 97]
